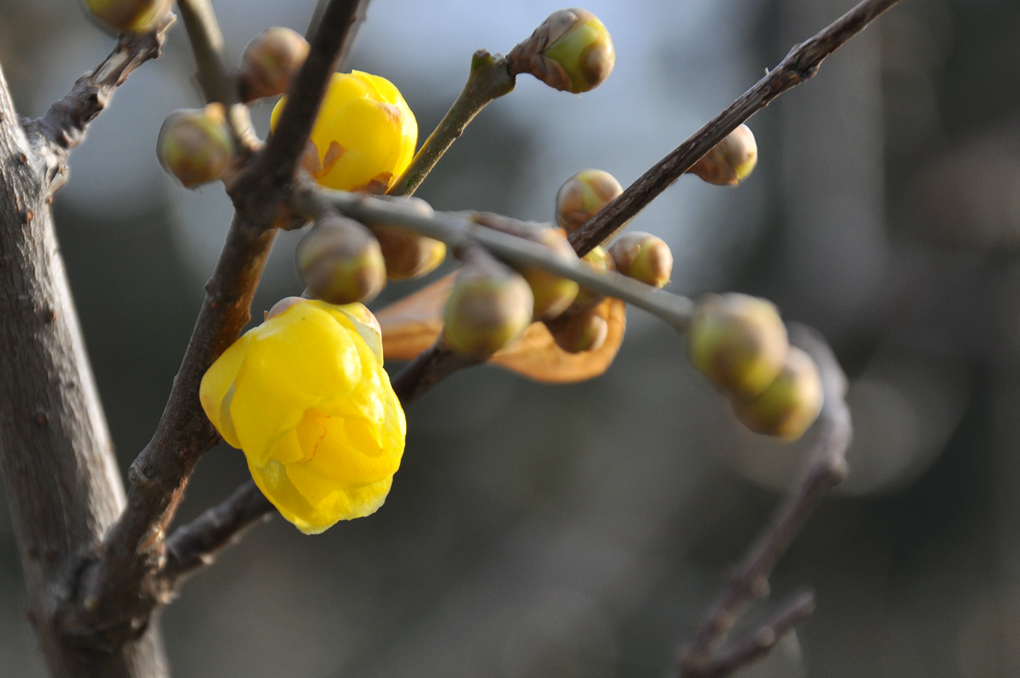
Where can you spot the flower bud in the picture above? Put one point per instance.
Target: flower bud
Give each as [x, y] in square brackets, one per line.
[644, 257]
[269, 62]
[790, 404]
[407, 254]
[599, 261]
[135, 16]
[552, 293]
[195, 145]
[738, 342]
[731, 161]
[582, 196]
[340, 261]
[489, 306]
[579, 332]
[571, 50]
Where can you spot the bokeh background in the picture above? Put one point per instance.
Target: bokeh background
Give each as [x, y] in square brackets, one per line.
[582, 530]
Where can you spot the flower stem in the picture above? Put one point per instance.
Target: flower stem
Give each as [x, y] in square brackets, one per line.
[489, 79]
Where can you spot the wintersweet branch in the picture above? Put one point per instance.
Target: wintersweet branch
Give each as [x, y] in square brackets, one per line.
[826, 468]
[117, 592]
[458, 230]
[799, 65]
[488, 80]
[215, 75]
[758, 643]
[62, 127]
[195, 545]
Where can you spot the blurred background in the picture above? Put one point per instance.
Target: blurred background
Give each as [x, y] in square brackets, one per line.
[582, 530]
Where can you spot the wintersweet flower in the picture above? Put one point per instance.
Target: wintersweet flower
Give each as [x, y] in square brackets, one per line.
[305, 397]
[364, 136]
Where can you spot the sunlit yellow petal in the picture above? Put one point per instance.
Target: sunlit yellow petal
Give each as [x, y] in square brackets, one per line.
[313, 411]
[217, 389]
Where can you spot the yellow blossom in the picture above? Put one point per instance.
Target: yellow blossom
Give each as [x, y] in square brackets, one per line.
[304, 395]
[364, 136]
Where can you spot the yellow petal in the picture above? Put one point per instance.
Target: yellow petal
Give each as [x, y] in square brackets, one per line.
[217, 389]
[294, 361]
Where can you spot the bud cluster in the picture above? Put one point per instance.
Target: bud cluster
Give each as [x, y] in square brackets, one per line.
[740, 344]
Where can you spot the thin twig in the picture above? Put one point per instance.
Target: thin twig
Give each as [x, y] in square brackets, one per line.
[63, 126]
[195, 545]
[799, 65]
[488, 80]
[214, 74]
[460, 229]
[758, 643]
[825, 469]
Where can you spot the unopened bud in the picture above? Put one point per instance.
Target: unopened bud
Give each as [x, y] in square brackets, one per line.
[644, 257]
[790, 404]
[134, 16]
[195, 145]
[571, 50]
[270, 60]
[599, 261]
[553, 294]
[489, 306]
[339, 261]
[579, 332]
[582, 196]
[738, 342]
[731, 161]
[407, 254]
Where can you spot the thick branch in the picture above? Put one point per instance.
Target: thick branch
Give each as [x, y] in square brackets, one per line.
[59, 471]
[825, 469]
[799, 65]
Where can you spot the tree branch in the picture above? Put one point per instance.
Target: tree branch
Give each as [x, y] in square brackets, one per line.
[488, 80]
[195, 545]
[59, 471]
[118, 587]
[214, 74]
[799, 65]
[758, 643]
[826, 468]
[62, 127]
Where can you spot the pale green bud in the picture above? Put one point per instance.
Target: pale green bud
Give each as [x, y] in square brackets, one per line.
[340, 262]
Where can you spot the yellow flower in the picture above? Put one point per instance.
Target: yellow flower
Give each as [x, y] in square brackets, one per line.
[304, 395]
[364, 136]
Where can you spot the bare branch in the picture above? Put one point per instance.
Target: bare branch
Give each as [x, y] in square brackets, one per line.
[195, 545]
[799, 65]
[215, 76]
[62, 127]
[488, 80]
[826, 468]
[758, 643]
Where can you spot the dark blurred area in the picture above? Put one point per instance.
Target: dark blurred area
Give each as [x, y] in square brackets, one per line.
[583, 530]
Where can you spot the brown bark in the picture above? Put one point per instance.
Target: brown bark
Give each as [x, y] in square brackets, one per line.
[59, 471]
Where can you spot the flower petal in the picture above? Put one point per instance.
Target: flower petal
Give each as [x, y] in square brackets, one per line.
[217, 389]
